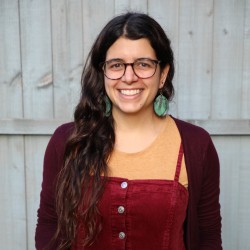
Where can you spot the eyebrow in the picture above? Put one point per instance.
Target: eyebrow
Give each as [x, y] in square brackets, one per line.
[115, 59]
[121, 60]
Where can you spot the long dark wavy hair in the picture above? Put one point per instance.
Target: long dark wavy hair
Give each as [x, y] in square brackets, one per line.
[84, 173]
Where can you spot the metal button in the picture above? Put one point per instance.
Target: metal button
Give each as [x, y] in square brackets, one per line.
[122, 235]
[121, 209]
[124, 184]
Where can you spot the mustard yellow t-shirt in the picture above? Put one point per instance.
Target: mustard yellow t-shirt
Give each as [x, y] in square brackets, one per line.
[157, 161]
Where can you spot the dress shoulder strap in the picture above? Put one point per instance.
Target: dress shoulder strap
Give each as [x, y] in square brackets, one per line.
[178, 165]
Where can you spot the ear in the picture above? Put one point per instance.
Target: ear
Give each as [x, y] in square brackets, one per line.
[164, 74]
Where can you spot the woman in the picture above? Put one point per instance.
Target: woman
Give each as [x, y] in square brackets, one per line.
[124, 174]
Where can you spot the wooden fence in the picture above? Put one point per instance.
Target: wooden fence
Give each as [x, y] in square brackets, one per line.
[43, 45]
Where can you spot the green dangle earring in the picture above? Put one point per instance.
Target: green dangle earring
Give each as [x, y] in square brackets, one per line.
[108, 106]
[161, 105]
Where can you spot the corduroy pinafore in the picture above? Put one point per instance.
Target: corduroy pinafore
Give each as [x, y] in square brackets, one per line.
[141, 214]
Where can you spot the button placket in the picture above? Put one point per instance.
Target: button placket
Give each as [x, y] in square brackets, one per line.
[121, 210]
[119, 233]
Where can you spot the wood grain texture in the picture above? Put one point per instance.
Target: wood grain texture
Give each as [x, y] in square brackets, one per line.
[95, 15]
[229, 20]
[10, 64]
[235, 173]
[35, 28]
[12, 193]
[169, 20]
[195, 59]
[47, 127]
[43, 46]
[34, 152]
[122, 6]
[67, 50]
[245, 113]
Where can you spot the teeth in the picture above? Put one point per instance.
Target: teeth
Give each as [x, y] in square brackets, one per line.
[130, 91]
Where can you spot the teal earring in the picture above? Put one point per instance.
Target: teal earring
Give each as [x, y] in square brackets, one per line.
[161, 105]
[108, 106]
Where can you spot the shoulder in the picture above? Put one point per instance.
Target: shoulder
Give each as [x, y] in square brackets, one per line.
[191, 132]
[198, 145]
[197, 142]
[61, 135]
[64, 130]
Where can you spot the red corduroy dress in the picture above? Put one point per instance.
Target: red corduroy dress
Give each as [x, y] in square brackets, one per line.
[141, 215]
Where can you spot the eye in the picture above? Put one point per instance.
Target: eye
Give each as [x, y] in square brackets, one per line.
[115, 66]
[144, 64]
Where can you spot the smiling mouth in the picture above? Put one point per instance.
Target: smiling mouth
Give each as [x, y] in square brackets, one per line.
[130, 91]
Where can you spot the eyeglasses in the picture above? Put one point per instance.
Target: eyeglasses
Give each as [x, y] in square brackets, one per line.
[115, 69]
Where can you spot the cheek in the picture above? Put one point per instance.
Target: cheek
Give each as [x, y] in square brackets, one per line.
[155, 84]
[109, 87]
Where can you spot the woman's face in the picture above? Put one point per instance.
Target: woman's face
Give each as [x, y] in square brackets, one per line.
[132, 94]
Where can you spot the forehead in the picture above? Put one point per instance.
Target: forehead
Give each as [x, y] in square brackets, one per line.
[128, 49]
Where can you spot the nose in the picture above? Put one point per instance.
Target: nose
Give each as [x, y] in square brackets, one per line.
[129, 75]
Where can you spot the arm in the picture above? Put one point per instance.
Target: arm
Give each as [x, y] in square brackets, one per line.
[47, 217]
[209, 208]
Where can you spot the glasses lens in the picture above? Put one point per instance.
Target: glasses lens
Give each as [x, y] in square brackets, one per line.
[114, 69]
[145, 68]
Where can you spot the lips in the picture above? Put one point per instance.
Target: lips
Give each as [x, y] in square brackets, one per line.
[130, 92]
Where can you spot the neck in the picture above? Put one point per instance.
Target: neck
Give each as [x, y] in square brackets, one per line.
[136, 122]
[135, 132]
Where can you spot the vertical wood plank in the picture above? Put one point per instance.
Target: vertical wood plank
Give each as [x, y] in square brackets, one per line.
[67, 55]
[229, 183]
[235, 173]
[123, 6]
[36, 58]
[244, 215]
[34, 153]
[246, 65]
[195, 60]
[95, 16]
[167, 14]
[227, 59]
[138, 5]
[12, 178]
[12, 193]
[10, 65]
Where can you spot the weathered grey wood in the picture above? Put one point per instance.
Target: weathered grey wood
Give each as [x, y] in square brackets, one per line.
[29, 127]
[167, 14]
[224, 127]
[195, 59]
[10, 65]
[139, 5]
[95, 15]
[122, 6]
[12, 174]
[227, 59]
[47, 127]
[235, 173]
[35, 23]
[12, 193]
[246, 65]
[67, 53]
[34, 152]
[47, 41]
